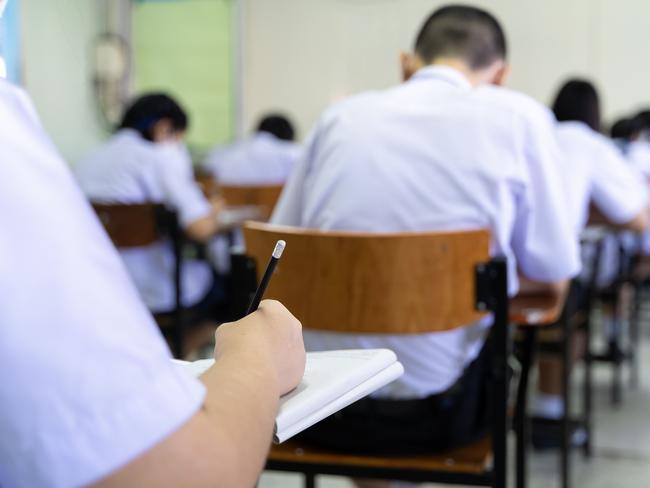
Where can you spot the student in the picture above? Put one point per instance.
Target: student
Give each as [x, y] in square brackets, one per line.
[638, 150]
[266, 158]
[593, 172]
[436, 154]
[145, 162]
[626, 131]
[89, 394]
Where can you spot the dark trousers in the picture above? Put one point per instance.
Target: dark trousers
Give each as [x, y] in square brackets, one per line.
[400, 427]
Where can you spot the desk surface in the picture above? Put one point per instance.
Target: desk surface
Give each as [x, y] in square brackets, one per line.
[536, 309]
[234, 217]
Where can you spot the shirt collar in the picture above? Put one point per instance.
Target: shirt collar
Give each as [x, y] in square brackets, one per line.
[444, 73]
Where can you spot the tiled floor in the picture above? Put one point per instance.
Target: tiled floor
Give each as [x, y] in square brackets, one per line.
[622, 442]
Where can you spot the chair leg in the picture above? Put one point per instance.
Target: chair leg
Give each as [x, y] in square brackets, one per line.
[587, 391]
[310, 480]
[565, 451]
[522, 425]
[634, 337]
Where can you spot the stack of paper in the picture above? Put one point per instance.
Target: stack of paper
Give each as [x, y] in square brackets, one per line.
[332, 381]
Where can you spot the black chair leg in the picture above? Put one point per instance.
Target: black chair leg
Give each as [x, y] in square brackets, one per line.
[310, 480]
[587, 391]
[565, 451]
[522, 424]
[634, 337]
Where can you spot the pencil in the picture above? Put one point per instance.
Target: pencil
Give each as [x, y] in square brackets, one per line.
[275, 257]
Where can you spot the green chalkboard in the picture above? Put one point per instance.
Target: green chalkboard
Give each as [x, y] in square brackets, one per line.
[185, 48]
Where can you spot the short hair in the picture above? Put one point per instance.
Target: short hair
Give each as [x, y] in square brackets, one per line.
[148, 109]
[578, 100]
[465, 32]
[626, 128]
[643, 118]
[277, 125]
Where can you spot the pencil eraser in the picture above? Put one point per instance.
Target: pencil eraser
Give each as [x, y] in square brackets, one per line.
[279, 247]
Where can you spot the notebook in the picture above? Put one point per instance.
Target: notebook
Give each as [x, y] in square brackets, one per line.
[333, 380]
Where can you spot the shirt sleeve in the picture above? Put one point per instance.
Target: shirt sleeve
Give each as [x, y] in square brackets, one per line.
[617, 189]
[88, 382]
[180, 190]
[544, 242]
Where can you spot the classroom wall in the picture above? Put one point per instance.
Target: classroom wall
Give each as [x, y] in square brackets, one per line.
[185, 48]
[302, 55]
[56, 69]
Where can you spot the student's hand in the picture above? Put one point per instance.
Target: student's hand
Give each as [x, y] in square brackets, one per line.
[273, 337]
[218, 203]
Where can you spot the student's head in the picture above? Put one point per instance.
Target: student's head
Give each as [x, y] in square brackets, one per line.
[467, 38]
[157, 117]
[277, 125]
[578, 100]
[643, 118]
[628, 129]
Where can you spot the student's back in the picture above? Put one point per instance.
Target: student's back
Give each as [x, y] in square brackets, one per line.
[594, 171]
[130, 169]
[260, 160]
[265, 158]
[435, 154]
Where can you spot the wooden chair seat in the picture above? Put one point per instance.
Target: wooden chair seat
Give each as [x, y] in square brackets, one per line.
[475, 458]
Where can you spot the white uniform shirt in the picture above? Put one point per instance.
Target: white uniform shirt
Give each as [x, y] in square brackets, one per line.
[638, 154]
[261, 160]
[594, 171]
[130, 169]
[435, 154]
[87, 384]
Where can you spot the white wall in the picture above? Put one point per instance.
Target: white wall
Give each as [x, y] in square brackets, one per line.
[57, 70]
[301, 55]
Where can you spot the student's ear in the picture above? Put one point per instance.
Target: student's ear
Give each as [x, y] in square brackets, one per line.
[501, 74]
[409, 65]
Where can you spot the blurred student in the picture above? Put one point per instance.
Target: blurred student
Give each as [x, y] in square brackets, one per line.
[89, 394]
[436, 153]
[145, 161]
[638, 150]
[266, 158]
[593, 172]
[625, 131]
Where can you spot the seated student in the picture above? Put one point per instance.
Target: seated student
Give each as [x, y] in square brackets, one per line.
[435, 153]
[638, 150]
[89, 394]
[144, 161]
[266, 158]
[625, 131]
[592, 169]
[593, 172]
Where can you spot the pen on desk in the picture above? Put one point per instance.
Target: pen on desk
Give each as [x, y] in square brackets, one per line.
[275, 257]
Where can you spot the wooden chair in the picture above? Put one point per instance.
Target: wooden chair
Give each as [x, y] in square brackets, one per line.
[136, 225]
[400, 284]
[263, 196]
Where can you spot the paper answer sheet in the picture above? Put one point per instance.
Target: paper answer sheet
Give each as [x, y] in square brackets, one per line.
[332, 381]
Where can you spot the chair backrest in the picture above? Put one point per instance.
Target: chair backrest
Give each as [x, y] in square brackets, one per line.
[264, 197]
[132, 225]
[373, 283]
